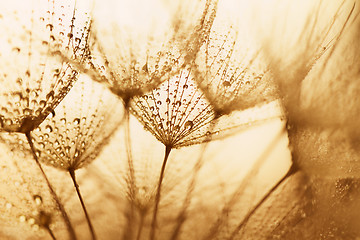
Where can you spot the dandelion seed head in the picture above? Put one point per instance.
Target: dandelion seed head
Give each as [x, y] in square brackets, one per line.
[230, 70]
[174, 110]
[149, 52]
[34, 86]
[73, 139]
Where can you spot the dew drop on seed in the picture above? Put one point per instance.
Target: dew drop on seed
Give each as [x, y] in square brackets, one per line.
[76, 121]
[50, 96]
[8, 122]
[38, 200]
[42, 103]
[48, 129]
[226, 84]
[188, 125]
[31, 221]
[22, 218]
[67, 149]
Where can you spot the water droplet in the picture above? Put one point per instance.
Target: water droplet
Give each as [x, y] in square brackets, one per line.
[226, 84]
[50, 26]
[22, 218]
[8, 122]
[189, 125]
[31, 221]
[35, 227]
[27, 111]
[42, 103]
[37, 199]
[48, 129]
[76, 121]
[8, 205]
[67, 149]
[50, 96]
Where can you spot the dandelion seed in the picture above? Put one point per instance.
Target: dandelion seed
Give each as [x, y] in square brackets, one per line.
[91, 134]
[143, 58]
[34, 68]
[230, 71]
[42, 80]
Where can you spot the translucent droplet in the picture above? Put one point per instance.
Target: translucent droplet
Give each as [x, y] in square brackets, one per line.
[67, 149]
[50, 96]
[8, 205]
[76, 121]
[8, 122]
[188, 125]
[31, 221]
[22, 218]
[27, 111]
[48, 129]
[226, 84]
[42, 103]
[38, 199]
[50, 26]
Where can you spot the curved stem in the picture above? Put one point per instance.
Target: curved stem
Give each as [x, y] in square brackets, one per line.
[243, 223]
[158, 193]
[51, 233]
[181, 217]
[52, 191]
[91, 228]
[249, 177]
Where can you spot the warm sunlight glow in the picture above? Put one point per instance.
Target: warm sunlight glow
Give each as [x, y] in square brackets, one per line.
[179, 119]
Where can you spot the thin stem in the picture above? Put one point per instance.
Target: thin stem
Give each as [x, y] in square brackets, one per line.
[187, 200]
[243, 223]
[158, 193]
[91, 228]
[214, 230]
[51, 233]
[132, 185]
[52, 191]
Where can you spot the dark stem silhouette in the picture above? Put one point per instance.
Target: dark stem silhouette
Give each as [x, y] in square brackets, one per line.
[50, 232]
[249, 177]
[158, 193]
[243, 223]
[52, 191]
[199, 163]
[88, 220]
